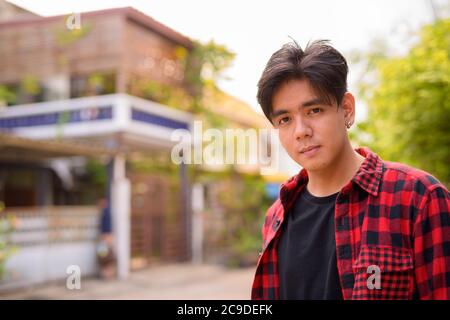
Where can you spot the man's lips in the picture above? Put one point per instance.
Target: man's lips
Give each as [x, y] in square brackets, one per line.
[306, 149]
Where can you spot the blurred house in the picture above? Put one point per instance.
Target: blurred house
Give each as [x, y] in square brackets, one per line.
[10, 11]
[68, 85]
[49, 237]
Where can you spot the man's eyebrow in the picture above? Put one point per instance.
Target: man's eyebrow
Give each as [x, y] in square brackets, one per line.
[313, 102]
[279, 112]
[309, 103]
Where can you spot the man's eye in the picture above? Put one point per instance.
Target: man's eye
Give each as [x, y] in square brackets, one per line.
[283, 120]
[314, 110]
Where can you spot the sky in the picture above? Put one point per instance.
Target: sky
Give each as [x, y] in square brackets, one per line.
[254, 29]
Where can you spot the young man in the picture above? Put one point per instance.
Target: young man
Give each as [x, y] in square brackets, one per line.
[349, 225]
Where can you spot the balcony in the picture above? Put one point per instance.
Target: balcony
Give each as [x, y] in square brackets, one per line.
[113, 121]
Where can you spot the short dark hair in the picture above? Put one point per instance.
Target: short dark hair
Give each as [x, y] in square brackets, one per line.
[321, 64]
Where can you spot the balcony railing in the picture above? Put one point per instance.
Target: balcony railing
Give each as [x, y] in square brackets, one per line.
[94, 116]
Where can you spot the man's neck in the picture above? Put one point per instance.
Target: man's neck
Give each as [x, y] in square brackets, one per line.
[332, 180]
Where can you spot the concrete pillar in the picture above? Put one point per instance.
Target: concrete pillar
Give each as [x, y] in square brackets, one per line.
[197, 222]
[120, 209]
[186, 211]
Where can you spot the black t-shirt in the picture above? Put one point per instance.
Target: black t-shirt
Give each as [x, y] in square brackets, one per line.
[307, 250]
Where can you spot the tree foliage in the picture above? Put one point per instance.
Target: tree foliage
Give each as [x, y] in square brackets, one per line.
[409, 103]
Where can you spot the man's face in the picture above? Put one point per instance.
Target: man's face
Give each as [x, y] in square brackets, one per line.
[304, 120]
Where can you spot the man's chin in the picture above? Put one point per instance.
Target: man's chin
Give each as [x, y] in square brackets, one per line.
[312, 165]
[309, 164]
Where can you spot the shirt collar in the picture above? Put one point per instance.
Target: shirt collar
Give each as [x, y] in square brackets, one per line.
[368, 176]
[370, 173]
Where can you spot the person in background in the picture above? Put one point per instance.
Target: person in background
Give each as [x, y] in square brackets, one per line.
[105, 247]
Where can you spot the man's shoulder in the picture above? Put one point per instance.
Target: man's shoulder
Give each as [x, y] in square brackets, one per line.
[409, 177]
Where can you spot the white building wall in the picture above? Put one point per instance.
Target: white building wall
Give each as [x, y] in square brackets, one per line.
[39, 264]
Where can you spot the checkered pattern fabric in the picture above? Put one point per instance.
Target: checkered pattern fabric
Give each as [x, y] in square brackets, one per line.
[389, 215]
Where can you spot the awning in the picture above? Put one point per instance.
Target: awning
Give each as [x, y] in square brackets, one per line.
[15, 148]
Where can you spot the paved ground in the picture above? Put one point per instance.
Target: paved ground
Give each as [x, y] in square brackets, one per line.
[177, 281]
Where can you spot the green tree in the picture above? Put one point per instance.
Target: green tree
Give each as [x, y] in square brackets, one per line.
[409, 103]
[242, 196]
[204, 66]
[7, 95]
[244, 201]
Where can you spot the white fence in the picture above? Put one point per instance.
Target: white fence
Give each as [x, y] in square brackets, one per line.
[47, 241]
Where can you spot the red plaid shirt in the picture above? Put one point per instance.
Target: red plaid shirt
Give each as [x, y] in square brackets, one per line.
[389, 215]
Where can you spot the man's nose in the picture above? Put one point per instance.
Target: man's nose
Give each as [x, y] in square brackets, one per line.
[302, 129]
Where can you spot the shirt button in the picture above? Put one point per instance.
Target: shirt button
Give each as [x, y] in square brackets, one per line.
[276, 224]
[342, 223]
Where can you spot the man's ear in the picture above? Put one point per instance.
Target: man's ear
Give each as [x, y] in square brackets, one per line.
[348, 104]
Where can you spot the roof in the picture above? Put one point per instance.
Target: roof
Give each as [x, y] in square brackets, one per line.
[129, 12]
[9, 10]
